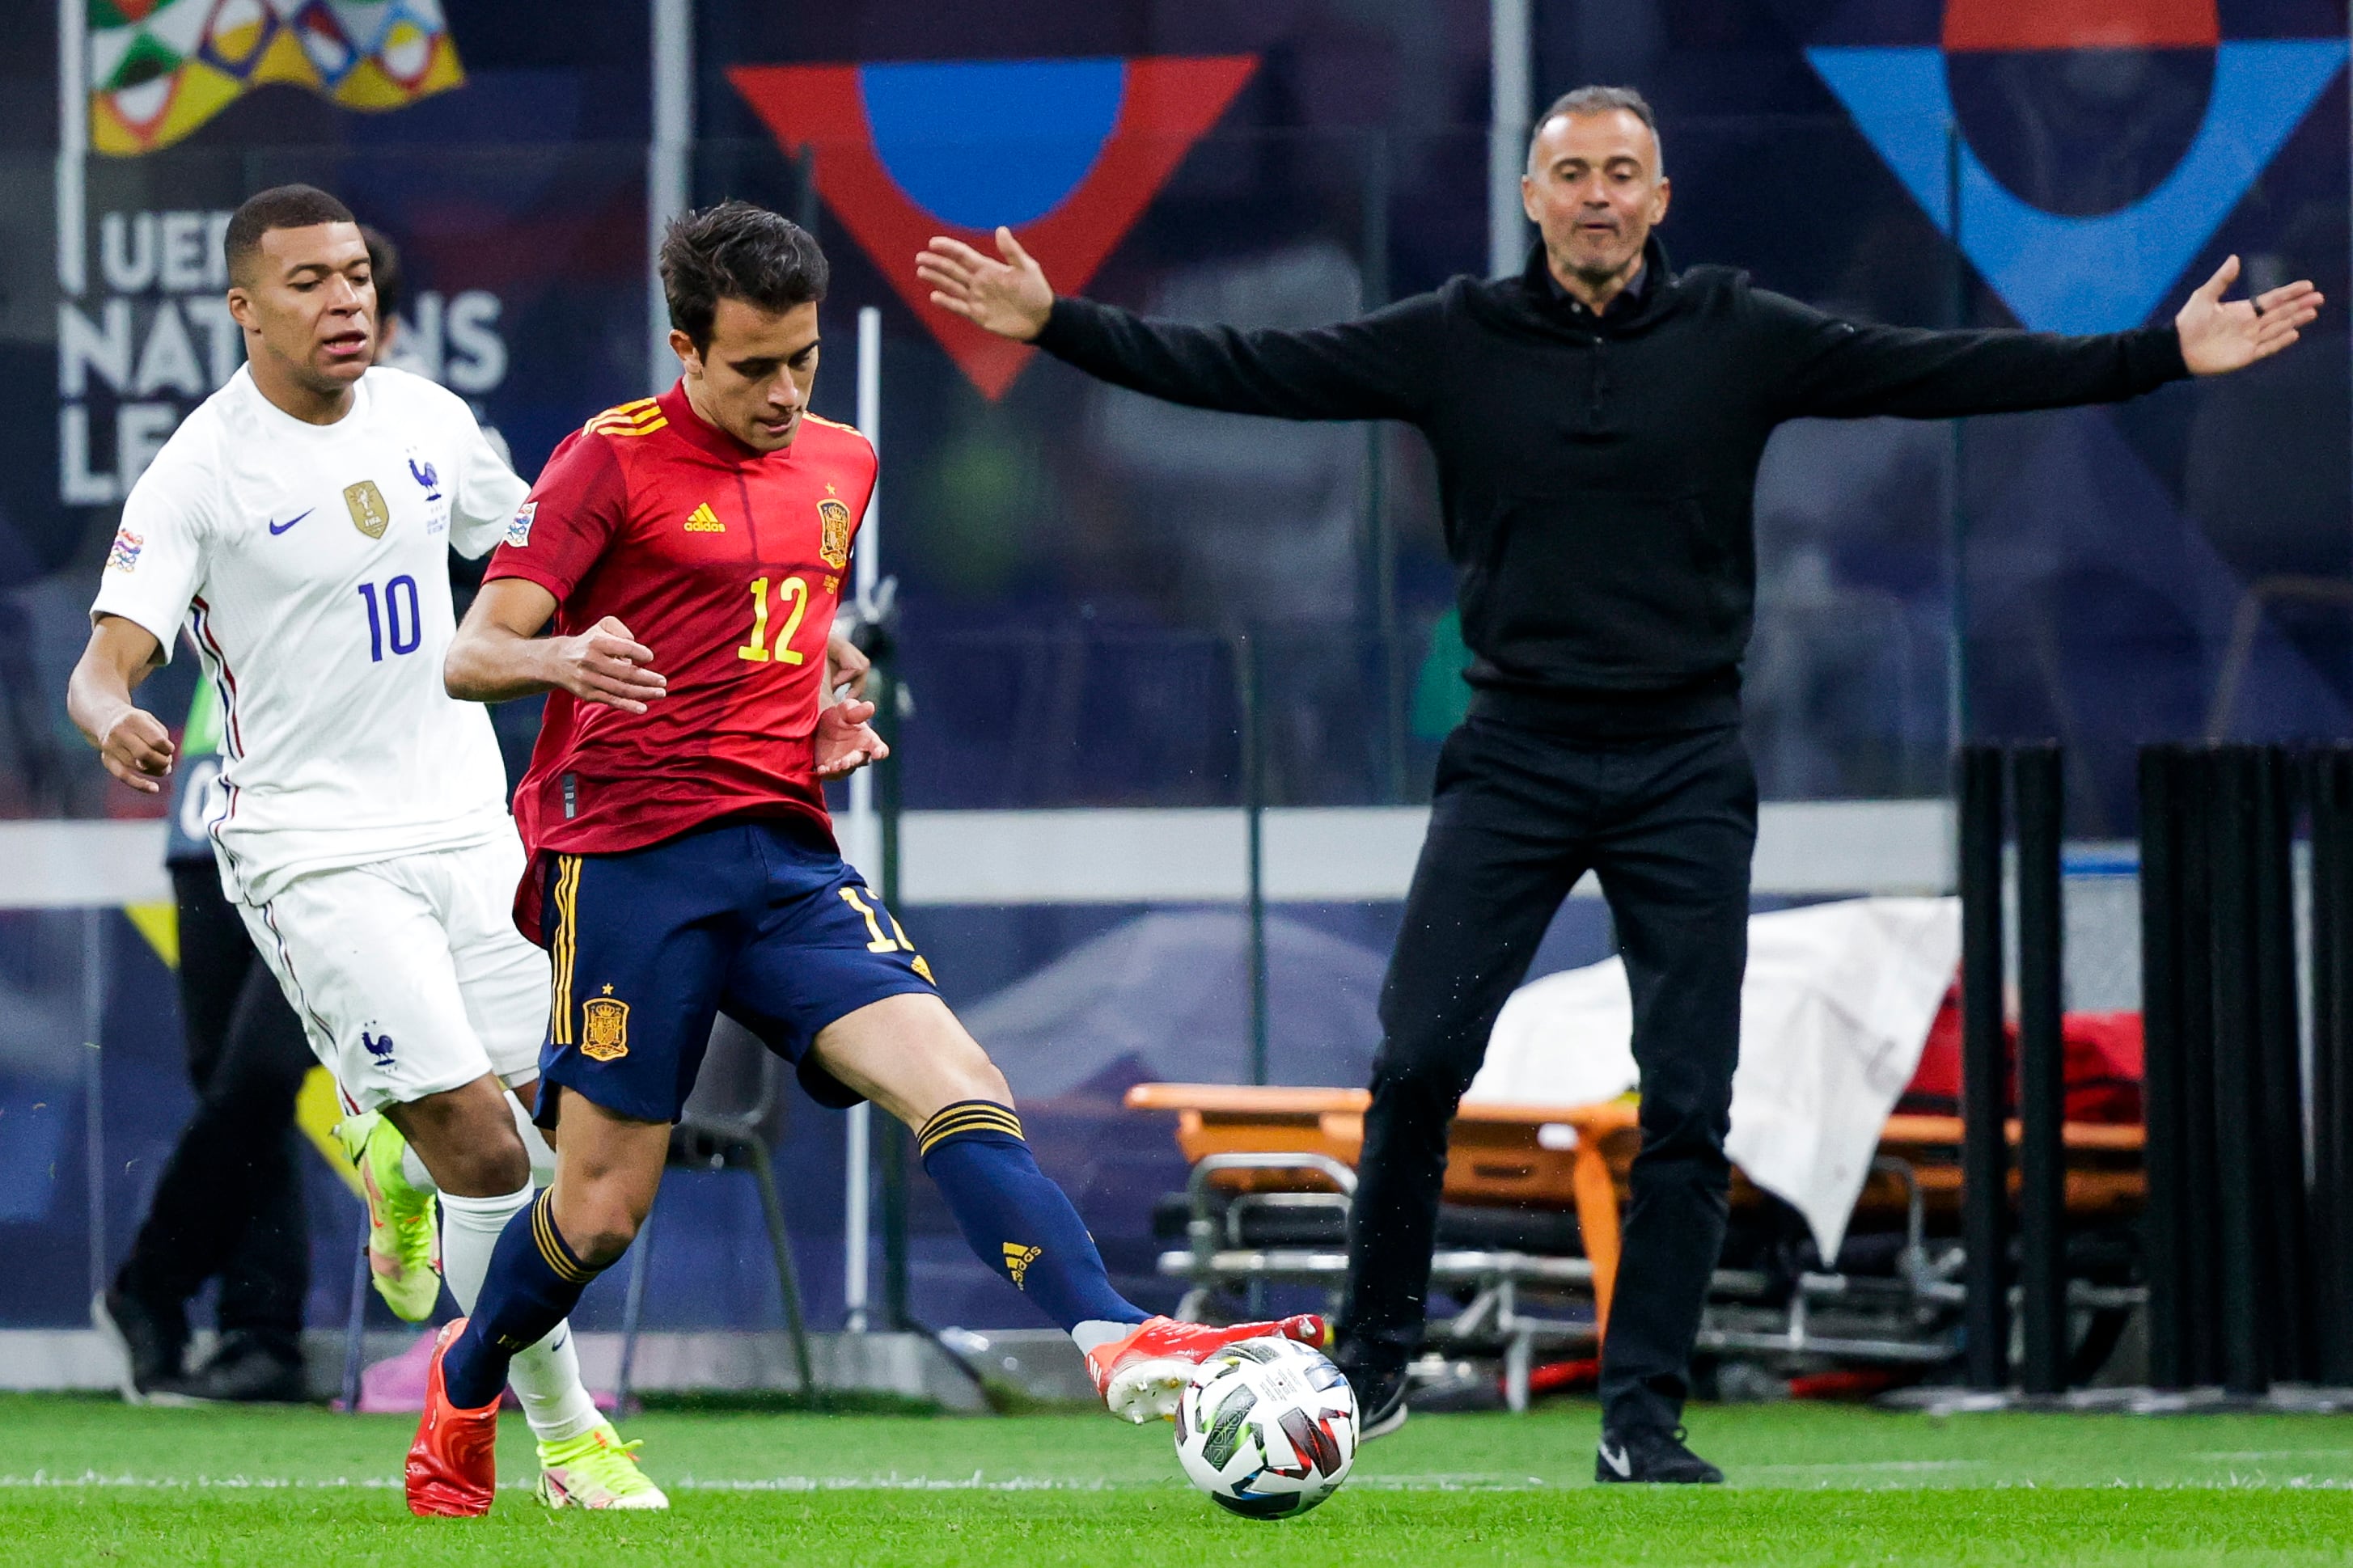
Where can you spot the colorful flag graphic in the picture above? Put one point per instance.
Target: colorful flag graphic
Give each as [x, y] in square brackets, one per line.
[160, 69]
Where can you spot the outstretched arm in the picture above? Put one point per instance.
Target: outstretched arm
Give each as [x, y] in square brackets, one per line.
[2219, 336]
[1009, 296]
[1381, 366]
[498, 654]
[1838, 369]
[132, 743]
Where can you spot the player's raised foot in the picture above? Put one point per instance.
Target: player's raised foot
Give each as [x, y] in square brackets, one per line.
[404, 1242]
[1140, 1375]
[595, 1469]
[453, 1468]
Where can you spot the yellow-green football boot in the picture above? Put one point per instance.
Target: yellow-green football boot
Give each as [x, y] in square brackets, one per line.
[595, 1469]
[403, 1241]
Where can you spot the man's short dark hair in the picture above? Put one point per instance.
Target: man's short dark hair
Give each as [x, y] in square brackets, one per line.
[1586, 101]
[281, 206]
[736, 251]
[384, 268]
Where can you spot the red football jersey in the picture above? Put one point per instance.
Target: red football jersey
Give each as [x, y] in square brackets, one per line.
[728, 564]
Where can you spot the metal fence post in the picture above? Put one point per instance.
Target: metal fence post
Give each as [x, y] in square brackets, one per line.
[1985, 1154]
[95, 1164]
[2196, 990]
[2162, 1097]
[2240, 1254]
[2279, 1119]
[2042, 1071]
[2331, 775]
[1254, 704]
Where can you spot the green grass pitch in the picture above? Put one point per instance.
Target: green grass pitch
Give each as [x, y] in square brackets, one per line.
[85, 1481]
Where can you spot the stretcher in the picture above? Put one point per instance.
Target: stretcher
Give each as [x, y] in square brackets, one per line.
[1273, 1171]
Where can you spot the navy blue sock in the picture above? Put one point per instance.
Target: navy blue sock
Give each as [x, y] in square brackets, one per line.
[535, 1280]
[1017, 1221]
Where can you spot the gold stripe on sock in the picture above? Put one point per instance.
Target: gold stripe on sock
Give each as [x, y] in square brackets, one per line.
[948, 1125]
[989, 1113]
[551, 1245]
[967, 1116]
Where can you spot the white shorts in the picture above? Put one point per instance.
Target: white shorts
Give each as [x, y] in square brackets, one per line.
[409, 973]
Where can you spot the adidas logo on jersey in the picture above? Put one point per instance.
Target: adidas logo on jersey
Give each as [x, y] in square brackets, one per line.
[642, 418]
[702, 520]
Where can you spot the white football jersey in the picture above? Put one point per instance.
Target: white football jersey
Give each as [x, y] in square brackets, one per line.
[310, 564]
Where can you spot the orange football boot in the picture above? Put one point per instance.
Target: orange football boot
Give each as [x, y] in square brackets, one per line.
[1140, 1376]
[453, 1468]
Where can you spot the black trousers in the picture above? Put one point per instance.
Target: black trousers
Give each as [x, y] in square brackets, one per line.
[230, 1199]
[1519, 815]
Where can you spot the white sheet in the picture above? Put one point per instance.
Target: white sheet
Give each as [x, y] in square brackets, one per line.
[1835, 1012]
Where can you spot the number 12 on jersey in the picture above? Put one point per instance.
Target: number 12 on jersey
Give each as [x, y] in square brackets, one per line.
[793, 594]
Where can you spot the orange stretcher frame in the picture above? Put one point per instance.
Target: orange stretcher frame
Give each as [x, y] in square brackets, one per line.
[1504, 1155]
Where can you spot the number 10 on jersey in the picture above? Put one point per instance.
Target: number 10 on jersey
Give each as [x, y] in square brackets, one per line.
[792, 595]
[397, 616]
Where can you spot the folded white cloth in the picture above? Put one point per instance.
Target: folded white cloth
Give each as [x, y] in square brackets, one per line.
[1834, 1011]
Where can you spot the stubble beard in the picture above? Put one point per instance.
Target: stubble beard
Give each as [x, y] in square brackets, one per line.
[1599, 274]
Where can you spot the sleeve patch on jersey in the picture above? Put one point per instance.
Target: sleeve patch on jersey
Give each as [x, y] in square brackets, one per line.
[519, 525]
[124, 554]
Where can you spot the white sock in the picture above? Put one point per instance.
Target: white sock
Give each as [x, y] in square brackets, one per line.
[414, 1169]
[545, 1377]
[534, 1143]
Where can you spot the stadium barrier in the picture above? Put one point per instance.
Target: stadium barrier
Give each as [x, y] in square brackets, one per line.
[2036, 786]
[2247, 1133]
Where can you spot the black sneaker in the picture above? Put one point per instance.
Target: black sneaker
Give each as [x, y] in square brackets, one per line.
[243, 1371]
[150, 1342]
[1651, 1454]
[1380, 1402]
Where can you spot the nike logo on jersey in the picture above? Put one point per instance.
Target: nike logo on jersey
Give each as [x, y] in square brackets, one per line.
[279, 528]
[702, 520]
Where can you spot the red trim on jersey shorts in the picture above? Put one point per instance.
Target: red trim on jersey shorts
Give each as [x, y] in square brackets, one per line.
[729, 564]
[200, 626]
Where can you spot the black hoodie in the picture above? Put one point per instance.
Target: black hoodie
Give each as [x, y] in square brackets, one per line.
[1598, 475]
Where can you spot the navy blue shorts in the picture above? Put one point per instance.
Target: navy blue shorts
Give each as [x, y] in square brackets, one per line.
[760, 920]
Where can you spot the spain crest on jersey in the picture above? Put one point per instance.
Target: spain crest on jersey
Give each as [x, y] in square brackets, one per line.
[603, 1029]
[833, 547]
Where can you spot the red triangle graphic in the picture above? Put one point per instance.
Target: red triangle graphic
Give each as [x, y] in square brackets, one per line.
[1168, 105]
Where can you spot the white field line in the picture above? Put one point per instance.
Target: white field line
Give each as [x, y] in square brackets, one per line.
[978, 1482]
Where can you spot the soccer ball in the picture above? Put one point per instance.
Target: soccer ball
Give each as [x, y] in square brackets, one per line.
[1268, 1427]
